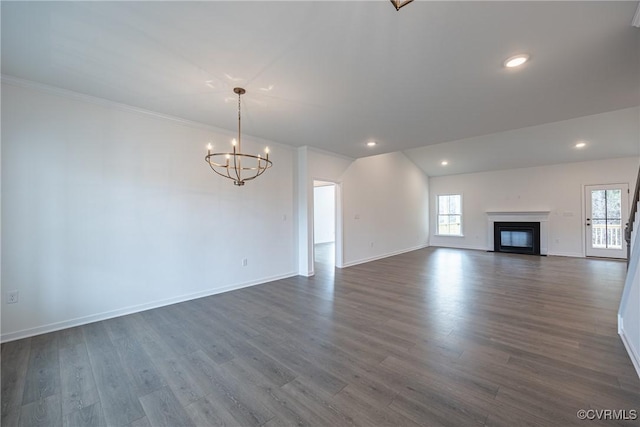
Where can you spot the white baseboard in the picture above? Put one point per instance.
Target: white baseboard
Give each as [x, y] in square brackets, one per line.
[567, 254]
[52, 327]
[469, 247]
[387, 255]
[633, 353]
[481, 248]
[620, 326]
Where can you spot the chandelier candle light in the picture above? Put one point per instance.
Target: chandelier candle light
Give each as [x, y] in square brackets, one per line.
[238, 166]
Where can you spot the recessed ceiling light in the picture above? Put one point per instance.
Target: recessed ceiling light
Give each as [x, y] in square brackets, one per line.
[444, 163]
[581, 144]
[371, 144]
[516, 61]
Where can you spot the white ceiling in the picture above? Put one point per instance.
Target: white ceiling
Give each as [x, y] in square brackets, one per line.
[334, 75]
[606, 135]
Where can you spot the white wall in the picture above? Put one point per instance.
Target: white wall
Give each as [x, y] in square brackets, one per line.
[629, 312]
[106, 211]
[321, 166]
[557, 188]
[325, 166]
[386, 199]
[630, 315]
[324, 214]
[388, 193]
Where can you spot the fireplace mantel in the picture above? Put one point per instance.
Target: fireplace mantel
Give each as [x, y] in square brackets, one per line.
[543, 214]
[520, 216]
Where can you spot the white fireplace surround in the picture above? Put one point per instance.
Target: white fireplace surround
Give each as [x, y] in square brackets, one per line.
[521, 216]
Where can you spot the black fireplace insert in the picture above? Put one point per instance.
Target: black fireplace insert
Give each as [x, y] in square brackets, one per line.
[517, 237]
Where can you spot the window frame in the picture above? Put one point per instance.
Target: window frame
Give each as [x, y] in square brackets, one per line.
[437, 216]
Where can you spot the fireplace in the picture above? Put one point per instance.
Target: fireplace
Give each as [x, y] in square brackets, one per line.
[539, 216]
[517, 237]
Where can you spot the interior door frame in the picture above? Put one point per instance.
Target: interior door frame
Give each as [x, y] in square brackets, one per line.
[585, 210]
[338, 255]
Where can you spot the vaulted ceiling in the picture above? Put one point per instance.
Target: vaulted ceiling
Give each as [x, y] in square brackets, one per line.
[334, 75]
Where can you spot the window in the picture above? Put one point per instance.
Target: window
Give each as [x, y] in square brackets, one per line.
[450, 215]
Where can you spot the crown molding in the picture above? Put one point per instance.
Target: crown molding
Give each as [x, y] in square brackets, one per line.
[77, 96]
[29, 84]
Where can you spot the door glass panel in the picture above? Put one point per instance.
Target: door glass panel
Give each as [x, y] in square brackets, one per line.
[614, 199]
[598, 208]
[606, 219]
[614, 219]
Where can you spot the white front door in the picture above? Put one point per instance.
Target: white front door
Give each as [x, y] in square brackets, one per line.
[607, 212]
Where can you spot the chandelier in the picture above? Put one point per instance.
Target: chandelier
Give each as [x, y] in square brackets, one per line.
[399, 3]
[238, 166]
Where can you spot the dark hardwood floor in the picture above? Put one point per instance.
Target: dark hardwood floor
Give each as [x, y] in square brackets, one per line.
[432, 337]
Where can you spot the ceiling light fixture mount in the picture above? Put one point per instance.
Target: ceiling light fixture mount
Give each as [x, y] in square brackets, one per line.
[236, 165]
[371, 144]
[516, 61]
[400, 3]
[581, 144]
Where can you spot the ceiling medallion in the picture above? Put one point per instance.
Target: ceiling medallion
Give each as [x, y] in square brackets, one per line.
[236, 165]
[400, 3]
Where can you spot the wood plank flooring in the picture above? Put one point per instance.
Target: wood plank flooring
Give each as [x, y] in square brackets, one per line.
[435, 337]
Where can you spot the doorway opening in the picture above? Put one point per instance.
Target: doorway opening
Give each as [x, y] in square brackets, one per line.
[324, 225]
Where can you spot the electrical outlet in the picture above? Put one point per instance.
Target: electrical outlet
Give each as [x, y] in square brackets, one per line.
[12, 297]
[244, 262]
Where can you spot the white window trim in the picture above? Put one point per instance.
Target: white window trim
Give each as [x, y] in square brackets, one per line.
[437, 234]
